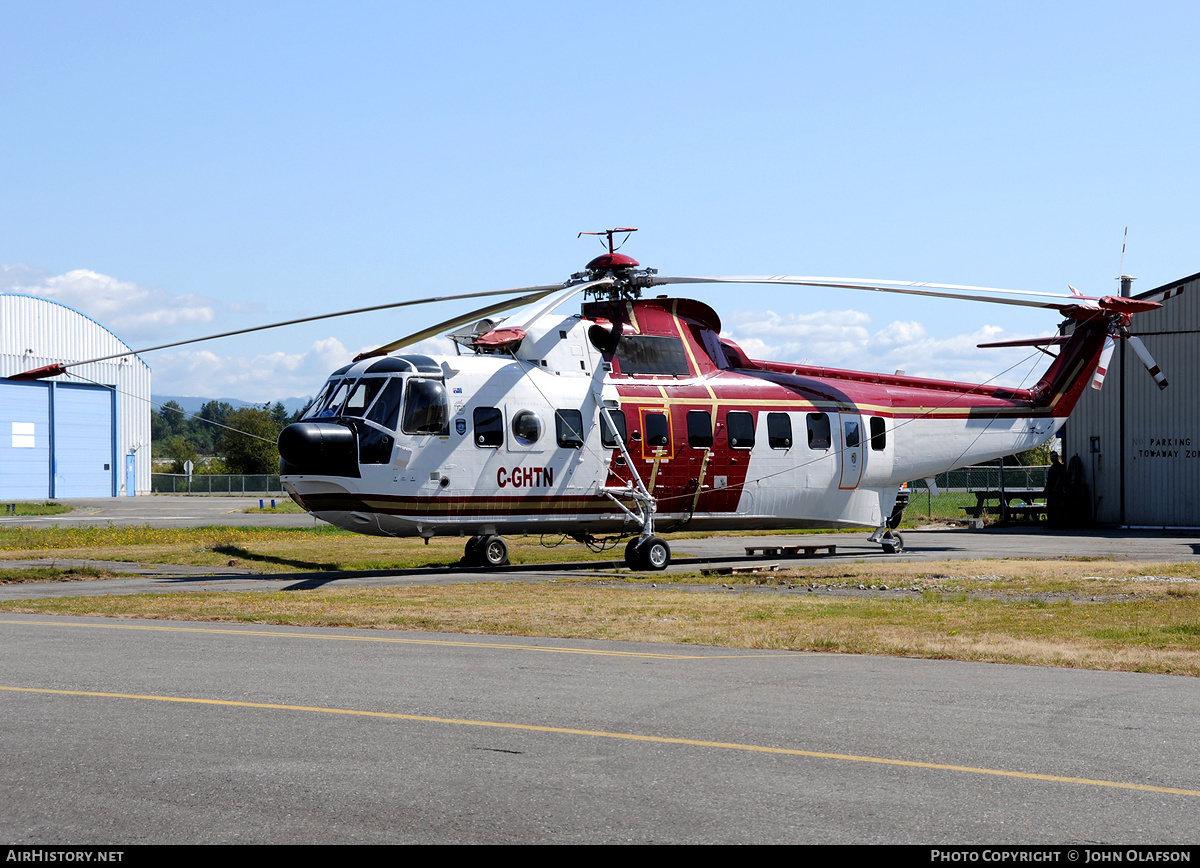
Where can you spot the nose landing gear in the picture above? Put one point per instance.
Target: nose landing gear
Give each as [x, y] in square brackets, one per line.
[647, 553]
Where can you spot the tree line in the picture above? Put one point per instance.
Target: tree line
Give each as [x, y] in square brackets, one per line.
[220, 438]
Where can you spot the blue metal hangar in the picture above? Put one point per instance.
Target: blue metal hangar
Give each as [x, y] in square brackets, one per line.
[85, 433]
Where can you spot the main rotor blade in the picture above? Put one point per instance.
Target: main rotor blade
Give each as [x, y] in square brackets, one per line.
[936, 290]
[555, 300]
[54, 370]
[480, 313]
[1147, 360]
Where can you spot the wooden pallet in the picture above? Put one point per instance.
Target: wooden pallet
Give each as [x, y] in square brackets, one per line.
[789, 551]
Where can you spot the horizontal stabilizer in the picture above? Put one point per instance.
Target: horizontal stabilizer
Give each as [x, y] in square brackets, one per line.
[1028, 342]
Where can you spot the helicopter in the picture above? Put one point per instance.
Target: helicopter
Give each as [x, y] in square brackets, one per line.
[635, 417]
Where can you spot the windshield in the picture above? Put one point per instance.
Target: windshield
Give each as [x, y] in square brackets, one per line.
[362, 396]
[318, 402]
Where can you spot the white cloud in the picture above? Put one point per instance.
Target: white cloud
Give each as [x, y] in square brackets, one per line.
[260, 378]
[137, 315]
[845, 339]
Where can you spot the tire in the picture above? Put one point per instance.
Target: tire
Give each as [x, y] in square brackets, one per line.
[473, 555]
[893, 543]
[655, 553]
[633, 554]
[494, 551]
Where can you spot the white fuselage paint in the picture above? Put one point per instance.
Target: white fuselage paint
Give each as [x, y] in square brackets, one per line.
[436, 484]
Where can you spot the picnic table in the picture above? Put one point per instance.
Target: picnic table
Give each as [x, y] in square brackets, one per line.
[1012, 504]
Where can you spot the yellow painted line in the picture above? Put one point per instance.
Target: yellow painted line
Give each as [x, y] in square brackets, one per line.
[445, 643]
[624, 736]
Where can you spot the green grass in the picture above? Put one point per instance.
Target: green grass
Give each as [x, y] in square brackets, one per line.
[282, 505]
[922, 508]
[48, 507]
[53, 574]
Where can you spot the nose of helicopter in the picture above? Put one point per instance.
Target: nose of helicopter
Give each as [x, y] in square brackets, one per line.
[318, 449]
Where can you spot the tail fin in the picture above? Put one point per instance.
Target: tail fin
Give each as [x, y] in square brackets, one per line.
[1084, 354]
[1088, 350]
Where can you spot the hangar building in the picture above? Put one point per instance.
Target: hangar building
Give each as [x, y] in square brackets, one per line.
[85, 433]
[1140, 447]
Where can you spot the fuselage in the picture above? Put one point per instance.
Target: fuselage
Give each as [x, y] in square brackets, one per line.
[516, 439]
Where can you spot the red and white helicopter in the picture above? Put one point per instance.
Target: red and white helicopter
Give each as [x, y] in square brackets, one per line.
[636, 417]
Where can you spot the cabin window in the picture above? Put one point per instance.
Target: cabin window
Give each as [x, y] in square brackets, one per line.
[527, 427]
[387, 405]
[658, 432]
[649, 354]
[425, 408]
[739, 428]
[853, 437]
[489, 427]
[568, 427]
[819, 436]
[609, 438]
[779, 430]
[699, 429]
[878, 434]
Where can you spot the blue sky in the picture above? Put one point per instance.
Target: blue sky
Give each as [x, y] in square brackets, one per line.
[176, 170]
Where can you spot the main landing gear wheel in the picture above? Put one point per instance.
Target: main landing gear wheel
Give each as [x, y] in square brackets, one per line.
[647, 554]
[472, 556]
[486, 551]
[893, 543]
[631, 554]
[494, 551]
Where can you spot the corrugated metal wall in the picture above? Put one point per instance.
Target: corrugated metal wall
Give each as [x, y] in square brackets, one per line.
[36, 332]
[1147, 470]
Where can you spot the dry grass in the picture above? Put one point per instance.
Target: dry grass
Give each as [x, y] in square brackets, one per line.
[1082, 613]
[269, 550]
[1152, 630]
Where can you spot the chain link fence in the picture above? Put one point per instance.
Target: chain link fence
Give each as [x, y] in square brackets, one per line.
[226, 483]
[958, 490]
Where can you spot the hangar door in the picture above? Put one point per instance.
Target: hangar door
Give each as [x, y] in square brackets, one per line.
[24, 440]
[56, 440]
[83, 441]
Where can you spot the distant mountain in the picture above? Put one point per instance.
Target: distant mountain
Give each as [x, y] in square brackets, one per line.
[192, 404]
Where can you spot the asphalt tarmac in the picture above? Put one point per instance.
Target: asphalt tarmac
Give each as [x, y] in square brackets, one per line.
[124, 732]
[118, 731]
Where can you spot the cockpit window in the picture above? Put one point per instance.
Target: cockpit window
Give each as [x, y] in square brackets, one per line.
[387, 405]
[362, 396]
[650, 354]
[338, 397]
[425, 408]
[318, 402]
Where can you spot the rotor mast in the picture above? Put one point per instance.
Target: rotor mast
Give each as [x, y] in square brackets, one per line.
[627, 280]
